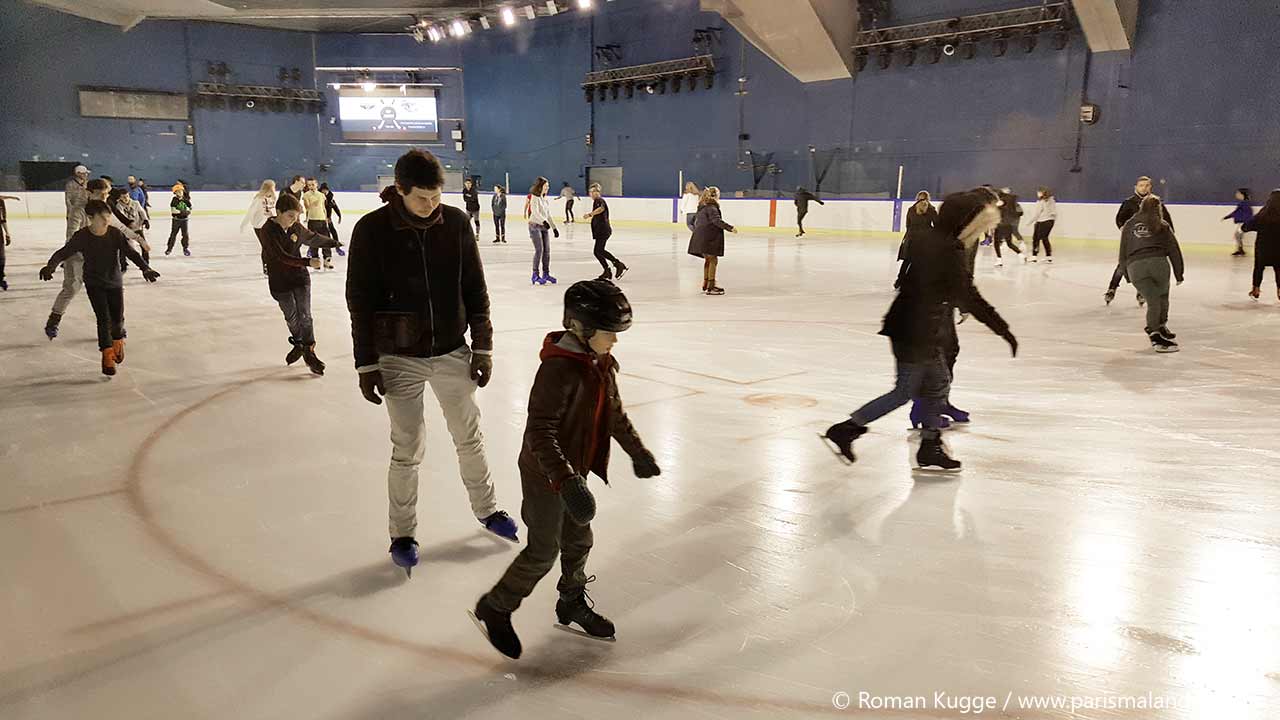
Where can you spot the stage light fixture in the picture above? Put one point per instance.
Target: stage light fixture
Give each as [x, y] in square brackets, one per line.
[552, 9]
[369, 86]
[458, 28]
[860, 60]
[649, 89]
[934, 53]
[968, 50]
[949, 49]
[584, 4]
[434, 34]
[909, 56]
[1029, 41]
[886, 58]
[999, 46]
[484, 22]
[529, 12]
[1060, 39]
[508, 16]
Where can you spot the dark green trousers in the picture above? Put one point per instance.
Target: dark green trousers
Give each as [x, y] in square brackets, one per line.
[550, 532]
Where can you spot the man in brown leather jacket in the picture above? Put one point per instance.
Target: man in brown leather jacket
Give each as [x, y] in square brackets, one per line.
[574, 410]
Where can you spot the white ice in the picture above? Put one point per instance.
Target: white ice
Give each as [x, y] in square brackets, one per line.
[204, 536]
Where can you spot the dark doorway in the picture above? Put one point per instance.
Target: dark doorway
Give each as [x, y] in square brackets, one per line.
[38, 175]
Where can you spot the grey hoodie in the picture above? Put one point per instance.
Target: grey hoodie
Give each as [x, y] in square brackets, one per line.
[1138, 241]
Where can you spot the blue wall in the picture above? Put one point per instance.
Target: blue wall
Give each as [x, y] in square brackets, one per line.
[1192, 105]
[44, 55]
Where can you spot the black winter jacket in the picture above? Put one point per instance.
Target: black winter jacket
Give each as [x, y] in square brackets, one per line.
[1266, 249]
[472, 198]
[1130, 207]
[1138, 242]
[934, 280]
[415, 291]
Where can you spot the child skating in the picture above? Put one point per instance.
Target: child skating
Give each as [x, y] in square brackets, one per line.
[180, 216]
[288, 279]
[101, 245]
[574, 410]
[1242, 214]
[601, 231]
[499, 205]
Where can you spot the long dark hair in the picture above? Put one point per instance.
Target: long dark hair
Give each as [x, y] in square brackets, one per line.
[538, 186]
[1149, 212]
[1271, 211]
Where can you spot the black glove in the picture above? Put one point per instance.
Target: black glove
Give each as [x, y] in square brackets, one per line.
[146, 224]
[46, 273]
[150, 275]
[371, 386]
[645, 465]
[556, 232]
[578, 500]
[481, 368]
[1013, 342]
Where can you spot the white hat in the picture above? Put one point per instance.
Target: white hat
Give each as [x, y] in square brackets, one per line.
[82, 170]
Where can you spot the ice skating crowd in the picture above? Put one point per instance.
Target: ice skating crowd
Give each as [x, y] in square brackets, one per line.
[420, 315]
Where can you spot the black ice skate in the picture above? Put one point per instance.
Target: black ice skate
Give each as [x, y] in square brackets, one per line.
[841, 437]
[497, 629]
[1163, 345]
[295, 354]
[933, 457]
[314, 364]
[404, 553]
[580, 611]
[1109, 296]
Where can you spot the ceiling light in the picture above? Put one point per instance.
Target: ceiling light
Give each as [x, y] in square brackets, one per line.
[336, 86]
[484, 22]
[508, 16]
[529, 13]
[584, 4]
[434, 33]
[551, 7]
[369, 86]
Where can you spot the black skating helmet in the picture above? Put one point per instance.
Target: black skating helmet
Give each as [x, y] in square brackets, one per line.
[598, 305]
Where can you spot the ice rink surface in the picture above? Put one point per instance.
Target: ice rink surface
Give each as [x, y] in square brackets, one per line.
[204, 536]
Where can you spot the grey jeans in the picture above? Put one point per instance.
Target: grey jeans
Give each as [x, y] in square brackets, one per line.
[296, 306]
[72, 281]
[1151, 277]
[449, 376]
[541, 248]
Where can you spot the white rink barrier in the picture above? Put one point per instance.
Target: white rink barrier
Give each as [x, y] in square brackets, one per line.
[1195, 223]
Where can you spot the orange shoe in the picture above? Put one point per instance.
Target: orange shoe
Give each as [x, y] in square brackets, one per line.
[118, 348]
[109, 361]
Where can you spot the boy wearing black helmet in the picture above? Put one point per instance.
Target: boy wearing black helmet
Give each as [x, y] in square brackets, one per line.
[574, 409]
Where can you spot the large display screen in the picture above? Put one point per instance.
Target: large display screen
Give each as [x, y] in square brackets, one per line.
[388, 113]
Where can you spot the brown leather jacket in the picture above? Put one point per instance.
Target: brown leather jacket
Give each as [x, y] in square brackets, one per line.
[574, 409]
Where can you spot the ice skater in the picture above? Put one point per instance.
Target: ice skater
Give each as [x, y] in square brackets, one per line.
[1010, 216]
[415, 287]
[567, 193]
[100, 245]
[917, 326]
[471, 199]
[537, 210]
[317, 220]
[1129, 208]
[601, 231]
[331, 211]
[574, 412]
[129, 217]
[920, 217]
[802, 199]
[1147, 248]
[1242, 214]
[288, 279]
[1042, 218]
[499, 206]
[1266, 249]
[5, 238]
[707, 241]
[76, 193]
[689, 203]
[179, 217]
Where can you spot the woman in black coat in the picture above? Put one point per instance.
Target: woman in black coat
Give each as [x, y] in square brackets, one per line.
[708, 238]
[1266, 249]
